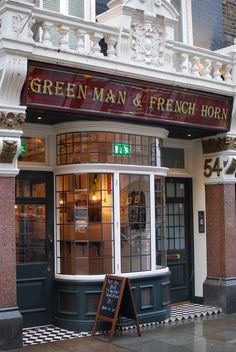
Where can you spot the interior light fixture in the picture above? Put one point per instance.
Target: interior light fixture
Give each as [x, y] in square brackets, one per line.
[61, 202]
[39, 118]
[94, 197]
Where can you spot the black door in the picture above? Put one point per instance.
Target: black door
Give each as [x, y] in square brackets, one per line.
[179, 237]
[34, 246]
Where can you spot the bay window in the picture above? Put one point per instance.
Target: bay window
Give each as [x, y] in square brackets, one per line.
[109, 221]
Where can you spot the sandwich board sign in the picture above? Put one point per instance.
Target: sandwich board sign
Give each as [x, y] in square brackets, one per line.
[116, 301]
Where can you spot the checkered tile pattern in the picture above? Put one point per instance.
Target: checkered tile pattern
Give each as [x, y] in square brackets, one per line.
[191, 311]
[51, 333]
[44, 334]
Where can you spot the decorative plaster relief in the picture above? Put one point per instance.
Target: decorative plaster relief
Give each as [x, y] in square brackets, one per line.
[11, 121]
[219, 160]
[218, 145]
[158, 2]
[10, 142]
[8, 152]
[13, 74]
[231, 169]
[18, 22]
[147, 44]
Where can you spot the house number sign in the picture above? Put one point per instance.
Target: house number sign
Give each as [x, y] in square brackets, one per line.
[212, 165]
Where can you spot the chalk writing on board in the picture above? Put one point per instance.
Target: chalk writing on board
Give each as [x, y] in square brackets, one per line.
[110, 297]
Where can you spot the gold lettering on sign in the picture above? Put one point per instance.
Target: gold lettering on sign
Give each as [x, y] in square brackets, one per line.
[110, 97]
[121, 97]
[212, 112]
[98, 94]
[160, 104]
[170, 105]
[70, 90]
[47, 87]
[35, 85]
[161, 101]
[137, 101]
[59, 88]
[82, 92]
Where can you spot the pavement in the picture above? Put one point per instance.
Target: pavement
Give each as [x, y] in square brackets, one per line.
[215, 333]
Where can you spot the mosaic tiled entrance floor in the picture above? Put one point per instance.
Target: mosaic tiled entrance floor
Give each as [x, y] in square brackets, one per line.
[44, 334]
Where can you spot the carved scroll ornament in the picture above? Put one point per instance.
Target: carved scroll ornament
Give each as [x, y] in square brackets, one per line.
[218, 145]
[11, 121]
[230, 167]
[8, 152]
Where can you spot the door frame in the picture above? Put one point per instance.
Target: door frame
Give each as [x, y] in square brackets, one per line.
[189, 216]
[24, 268]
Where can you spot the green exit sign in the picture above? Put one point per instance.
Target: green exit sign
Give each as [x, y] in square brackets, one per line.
[122, 149]
[23, 149]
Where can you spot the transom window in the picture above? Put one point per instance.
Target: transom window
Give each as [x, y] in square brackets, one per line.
[33, 149]
[105, 147]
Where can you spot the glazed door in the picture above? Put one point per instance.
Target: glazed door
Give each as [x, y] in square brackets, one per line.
[34, 246]
[179, 237]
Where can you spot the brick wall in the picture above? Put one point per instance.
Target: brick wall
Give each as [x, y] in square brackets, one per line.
[208, 29]
[229, 21]
[214, 23]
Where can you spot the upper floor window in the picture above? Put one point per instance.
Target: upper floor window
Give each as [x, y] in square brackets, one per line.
[78, 8]
[173, 157]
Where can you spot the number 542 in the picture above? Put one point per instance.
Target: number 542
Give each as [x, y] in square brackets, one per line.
[212, 165]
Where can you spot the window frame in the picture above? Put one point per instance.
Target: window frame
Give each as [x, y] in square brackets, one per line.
[89, 8]
[151, 172]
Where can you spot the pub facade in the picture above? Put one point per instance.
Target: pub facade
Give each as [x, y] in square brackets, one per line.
[117, 156]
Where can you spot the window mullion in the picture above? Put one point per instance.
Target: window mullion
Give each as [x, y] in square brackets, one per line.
[64, 6]
[117, 223]
[153, 228]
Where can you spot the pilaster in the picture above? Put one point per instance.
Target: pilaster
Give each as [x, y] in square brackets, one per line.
[10, 317]
[220, 187]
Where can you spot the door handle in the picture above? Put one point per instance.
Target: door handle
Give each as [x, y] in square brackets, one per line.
[50, 245]
[173, 256]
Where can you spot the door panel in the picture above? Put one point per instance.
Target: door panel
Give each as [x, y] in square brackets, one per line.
[179, 237]
[34, 249]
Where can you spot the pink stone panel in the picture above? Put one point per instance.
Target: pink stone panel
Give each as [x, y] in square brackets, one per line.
[7, 243]
[215, 230]
[230, 230]
[221, 230]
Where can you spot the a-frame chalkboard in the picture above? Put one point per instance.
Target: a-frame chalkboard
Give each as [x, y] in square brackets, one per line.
[116, 300]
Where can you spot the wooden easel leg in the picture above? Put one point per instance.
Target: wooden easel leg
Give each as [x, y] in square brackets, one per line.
[94, 327]
[112, 330]
[138, 328]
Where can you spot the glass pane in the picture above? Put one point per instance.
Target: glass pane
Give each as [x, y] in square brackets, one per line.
[170, 189]
[32, 150]
[30, 233]
[175, 225]
[86, 219]
[179, 189]
[172, 158]
[38, 189]
[23, 188]
[103, 147]
[134, 221]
